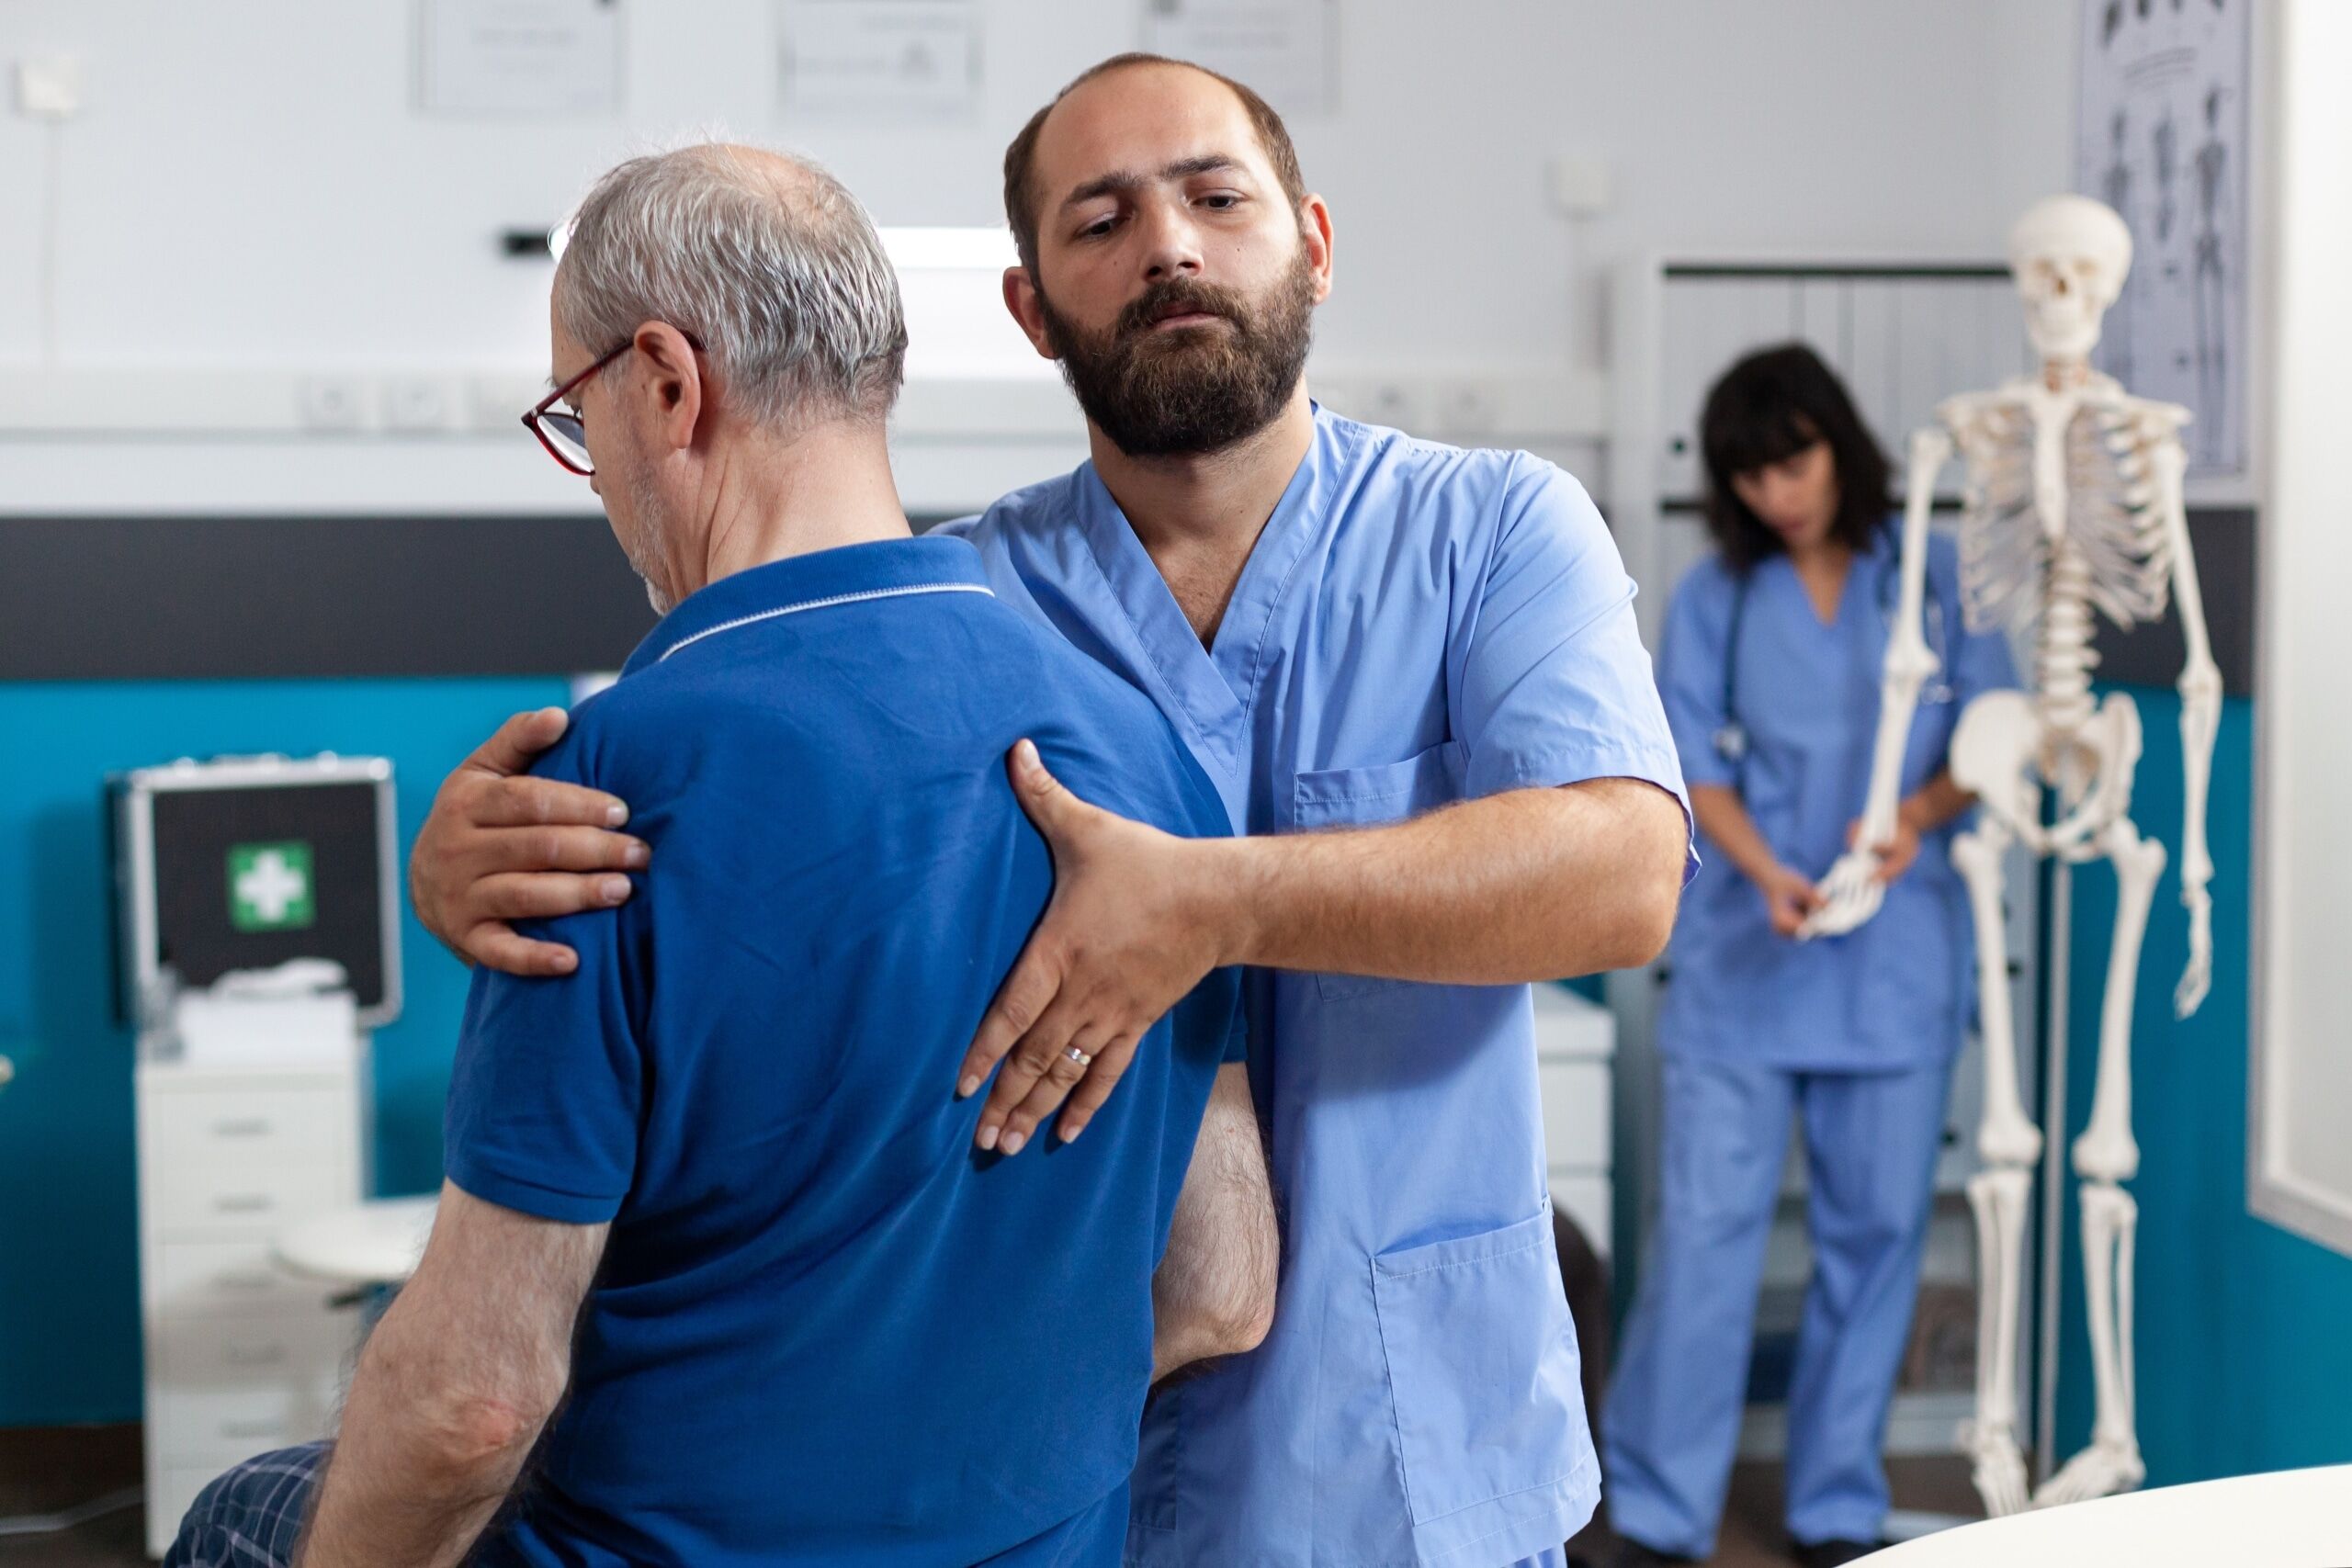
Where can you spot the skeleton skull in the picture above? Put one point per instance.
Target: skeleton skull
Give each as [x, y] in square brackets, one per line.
[2069, 254]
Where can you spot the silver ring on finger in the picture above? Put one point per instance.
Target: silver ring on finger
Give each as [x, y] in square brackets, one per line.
[1075, 1055]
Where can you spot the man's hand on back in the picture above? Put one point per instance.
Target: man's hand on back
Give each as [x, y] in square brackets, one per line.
[1134, 922]
[1528, 884]
[501, 846]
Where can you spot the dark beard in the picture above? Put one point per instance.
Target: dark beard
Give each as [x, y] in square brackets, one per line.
[1195, 389]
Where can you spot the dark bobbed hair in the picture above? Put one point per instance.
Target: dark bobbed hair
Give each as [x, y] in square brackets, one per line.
[1021, 198]
[1769, 406]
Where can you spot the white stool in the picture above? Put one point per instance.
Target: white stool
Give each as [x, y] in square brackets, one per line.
[2293, 1519]
[375, 1243]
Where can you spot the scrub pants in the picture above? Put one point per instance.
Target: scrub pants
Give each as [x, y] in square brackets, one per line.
[1672, 1419]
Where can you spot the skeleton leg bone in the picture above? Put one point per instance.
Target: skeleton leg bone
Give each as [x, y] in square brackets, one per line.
[2111, 1464]
[1998, 1198]
[2105, 1156]
[2010, 1143]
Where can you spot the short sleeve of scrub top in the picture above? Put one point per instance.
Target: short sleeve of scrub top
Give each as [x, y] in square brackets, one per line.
[1555, 687]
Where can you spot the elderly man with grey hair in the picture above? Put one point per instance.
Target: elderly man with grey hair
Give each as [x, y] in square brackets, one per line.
[719, 1277]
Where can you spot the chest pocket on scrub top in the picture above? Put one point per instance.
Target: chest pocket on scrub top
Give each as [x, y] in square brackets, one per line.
[1369, 797]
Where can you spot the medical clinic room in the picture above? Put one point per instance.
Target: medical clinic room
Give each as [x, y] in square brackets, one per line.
[1174, 783]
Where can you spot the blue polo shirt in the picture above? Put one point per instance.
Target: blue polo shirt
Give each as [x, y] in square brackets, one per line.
[827, 1330]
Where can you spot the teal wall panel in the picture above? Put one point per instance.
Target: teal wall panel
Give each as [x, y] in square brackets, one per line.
[2244, 1361]
[69, 1291]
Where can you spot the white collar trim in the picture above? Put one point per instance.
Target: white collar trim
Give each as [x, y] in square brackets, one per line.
[826, 605]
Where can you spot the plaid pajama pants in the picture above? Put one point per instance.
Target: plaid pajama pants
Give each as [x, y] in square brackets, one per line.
[251, 1516]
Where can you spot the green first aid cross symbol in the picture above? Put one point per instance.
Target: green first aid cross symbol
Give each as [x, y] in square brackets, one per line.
[270, 887]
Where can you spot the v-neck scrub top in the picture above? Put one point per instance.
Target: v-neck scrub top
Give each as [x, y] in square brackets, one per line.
[1893, 994]
[1417, 624]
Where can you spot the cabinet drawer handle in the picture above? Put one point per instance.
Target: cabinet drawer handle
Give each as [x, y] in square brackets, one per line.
[249, 1127]
[252, 1356]
[243, 1429]
[250, 1280]
[243, 1204]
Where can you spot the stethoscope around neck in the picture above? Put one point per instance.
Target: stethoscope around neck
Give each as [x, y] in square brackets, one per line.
[1732, 738]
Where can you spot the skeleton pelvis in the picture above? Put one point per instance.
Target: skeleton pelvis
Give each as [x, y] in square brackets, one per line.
[2005, 752]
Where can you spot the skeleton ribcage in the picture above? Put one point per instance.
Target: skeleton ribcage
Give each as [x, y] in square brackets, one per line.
[2112, 522]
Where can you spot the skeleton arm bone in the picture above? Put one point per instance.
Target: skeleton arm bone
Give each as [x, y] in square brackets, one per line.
[1910, 660]
[1852, 891]
[2201, 715]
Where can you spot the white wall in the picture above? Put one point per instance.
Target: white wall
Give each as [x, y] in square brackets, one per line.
[2302, 1172]
[250, 187]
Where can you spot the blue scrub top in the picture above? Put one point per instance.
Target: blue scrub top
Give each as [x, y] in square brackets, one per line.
[1417, 624]
[827, 1330]
[1894, 993]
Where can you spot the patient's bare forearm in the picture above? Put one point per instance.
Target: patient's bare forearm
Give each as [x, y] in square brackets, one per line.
[421, 1467]
[454, 1388]
[1214, 1295]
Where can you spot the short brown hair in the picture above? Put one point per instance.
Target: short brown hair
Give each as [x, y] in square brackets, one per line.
[1020, 202]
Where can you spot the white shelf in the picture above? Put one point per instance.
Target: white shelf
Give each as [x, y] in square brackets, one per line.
[1576, 1042]
[241, 1357]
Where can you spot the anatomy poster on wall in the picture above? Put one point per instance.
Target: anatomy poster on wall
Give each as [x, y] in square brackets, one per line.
[518, 58]
[2161, 137]
[881, 59]
[1284, 48]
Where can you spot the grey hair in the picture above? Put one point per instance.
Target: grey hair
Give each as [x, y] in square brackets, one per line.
[766, 261]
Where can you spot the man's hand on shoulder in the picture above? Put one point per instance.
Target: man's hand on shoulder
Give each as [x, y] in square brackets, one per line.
[1136, 919]
[501, 846]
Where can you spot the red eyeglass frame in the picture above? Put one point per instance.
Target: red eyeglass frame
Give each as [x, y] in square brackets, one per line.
[544, 409]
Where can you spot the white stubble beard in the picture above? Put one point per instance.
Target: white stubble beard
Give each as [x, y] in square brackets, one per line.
[639, 547]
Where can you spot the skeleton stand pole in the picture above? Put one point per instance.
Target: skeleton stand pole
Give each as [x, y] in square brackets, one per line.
[2057, 953]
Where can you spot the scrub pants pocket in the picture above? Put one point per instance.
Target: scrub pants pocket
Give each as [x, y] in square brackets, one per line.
[1482, 1365]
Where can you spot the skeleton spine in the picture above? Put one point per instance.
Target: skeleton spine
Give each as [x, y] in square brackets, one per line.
[2064, 657]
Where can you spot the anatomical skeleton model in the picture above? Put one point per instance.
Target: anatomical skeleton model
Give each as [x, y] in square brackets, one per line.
[2071, 501]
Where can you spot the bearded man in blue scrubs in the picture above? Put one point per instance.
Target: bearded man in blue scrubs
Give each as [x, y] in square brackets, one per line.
[1412, 672]
[716, 1251]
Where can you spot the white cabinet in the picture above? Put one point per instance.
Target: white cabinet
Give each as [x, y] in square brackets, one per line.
[242, 1357]
[1576, 1043]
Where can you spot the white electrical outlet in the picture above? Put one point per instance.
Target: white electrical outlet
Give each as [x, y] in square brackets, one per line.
[1466, 410]
[1580, 185]
[49, 87]
[1391, 403]
[329, 402]
[494, 404]
[413, 403]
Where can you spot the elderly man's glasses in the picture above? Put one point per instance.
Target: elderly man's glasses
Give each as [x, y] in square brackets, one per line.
[563, 432]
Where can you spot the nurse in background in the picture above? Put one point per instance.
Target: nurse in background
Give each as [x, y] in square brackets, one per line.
[1770, 667]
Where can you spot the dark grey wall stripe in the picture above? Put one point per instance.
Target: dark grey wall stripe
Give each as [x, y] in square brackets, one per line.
[1956, 271]
[210, 598]
[224, 598]
[2223, 537]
